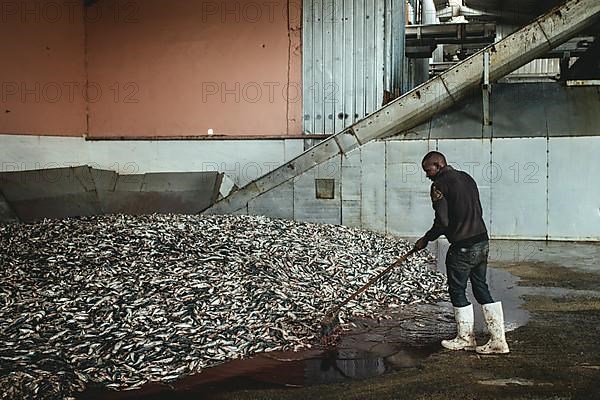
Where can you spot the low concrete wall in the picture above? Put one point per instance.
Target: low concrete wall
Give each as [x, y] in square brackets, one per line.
[241, 160]
[531, 188]
[69, 192]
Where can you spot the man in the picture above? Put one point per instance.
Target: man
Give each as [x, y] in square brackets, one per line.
[458, 216]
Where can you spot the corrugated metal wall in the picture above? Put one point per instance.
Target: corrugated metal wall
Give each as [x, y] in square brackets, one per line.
[395, 66]
[348, 48]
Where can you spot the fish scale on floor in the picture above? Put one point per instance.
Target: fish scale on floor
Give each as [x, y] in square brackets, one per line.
[118, 301]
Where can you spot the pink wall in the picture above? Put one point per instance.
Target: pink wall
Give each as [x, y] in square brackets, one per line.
[160, 68]
[42, 68]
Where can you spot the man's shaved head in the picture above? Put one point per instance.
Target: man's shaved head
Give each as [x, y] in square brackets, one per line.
[432, 163]
[434, 157]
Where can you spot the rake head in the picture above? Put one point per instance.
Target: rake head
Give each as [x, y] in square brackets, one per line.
[329, 324]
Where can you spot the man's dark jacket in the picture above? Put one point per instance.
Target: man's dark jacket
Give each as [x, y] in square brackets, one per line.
[458, 213]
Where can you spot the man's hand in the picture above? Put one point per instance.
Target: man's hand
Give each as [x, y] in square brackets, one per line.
[421, 243]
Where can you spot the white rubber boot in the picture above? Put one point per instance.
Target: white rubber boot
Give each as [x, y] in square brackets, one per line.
[465, 339]
[494, 319]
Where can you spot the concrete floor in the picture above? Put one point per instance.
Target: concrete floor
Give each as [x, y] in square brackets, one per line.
[551, 293]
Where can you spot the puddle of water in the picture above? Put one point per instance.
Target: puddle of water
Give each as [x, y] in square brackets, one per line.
[342, 364]
[279, 369]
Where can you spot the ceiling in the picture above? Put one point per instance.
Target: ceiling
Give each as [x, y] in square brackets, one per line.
[529, 7]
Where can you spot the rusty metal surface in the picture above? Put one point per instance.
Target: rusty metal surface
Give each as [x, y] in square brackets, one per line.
[81, 191]
[325, 188]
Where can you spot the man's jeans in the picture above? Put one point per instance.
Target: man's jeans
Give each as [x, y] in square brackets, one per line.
[468, 263]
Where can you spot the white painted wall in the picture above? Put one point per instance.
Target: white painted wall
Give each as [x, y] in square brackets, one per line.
[242, 160]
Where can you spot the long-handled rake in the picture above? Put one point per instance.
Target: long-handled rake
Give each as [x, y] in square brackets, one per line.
[331, 320]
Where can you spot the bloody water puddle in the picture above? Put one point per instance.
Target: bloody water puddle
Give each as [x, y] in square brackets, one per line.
[279, 369]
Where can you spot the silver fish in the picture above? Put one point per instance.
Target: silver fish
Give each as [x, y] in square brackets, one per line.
[122, 300]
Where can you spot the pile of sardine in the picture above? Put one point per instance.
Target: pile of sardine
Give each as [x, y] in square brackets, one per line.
[118, 301]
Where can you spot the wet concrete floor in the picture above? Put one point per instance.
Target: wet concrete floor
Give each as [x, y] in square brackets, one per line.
[387, 358]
